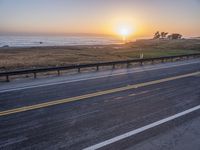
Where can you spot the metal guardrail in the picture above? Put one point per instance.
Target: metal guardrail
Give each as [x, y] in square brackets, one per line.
[97, 65]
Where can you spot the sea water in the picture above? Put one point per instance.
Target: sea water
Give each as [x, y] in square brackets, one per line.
[35, 41]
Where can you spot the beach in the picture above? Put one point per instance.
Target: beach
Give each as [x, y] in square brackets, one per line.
[15, 58]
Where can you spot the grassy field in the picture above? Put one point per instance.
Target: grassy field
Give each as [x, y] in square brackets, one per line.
[22, 58]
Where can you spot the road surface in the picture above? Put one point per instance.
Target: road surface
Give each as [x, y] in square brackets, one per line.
[150, 107]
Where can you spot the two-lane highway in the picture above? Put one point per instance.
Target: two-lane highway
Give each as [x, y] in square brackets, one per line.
[93, 112]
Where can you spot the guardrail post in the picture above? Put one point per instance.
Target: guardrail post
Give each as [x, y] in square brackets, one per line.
[58, 72]
[128, 64]
[152, 61]
[113, 66]
[163, 60]
[7, 78]
[141, 63]
[35, 75]
[79, 70]
[97, 67]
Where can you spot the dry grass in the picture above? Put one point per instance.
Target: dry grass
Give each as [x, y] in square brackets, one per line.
[22, 58]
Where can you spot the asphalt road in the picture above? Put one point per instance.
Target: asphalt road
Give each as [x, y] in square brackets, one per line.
[86, 110]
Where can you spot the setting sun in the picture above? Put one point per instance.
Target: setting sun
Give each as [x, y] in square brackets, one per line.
[125, 31]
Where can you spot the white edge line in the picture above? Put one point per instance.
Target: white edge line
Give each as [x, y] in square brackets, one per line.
[139, 130]
[90, 78]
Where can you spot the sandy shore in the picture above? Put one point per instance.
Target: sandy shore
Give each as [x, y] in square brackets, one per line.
[32, 57]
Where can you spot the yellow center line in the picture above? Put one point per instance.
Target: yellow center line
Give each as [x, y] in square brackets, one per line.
[77, 98]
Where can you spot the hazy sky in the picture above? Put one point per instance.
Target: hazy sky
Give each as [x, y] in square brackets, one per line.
[100, 16]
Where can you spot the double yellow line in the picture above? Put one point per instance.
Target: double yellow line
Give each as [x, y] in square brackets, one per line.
[77, 98]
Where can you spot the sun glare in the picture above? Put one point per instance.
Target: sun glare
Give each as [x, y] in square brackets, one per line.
[125, 31]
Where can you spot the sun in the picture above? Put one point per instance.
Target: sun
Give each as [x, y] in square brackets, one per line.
[125, 31]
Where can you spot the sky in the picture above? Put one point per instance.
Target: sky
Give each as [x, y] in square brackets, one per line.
[105, 17]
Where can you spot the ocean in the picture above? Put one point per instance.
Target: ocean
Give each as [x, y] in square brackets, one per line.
[35, 41]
